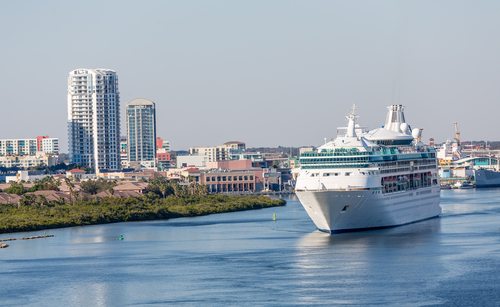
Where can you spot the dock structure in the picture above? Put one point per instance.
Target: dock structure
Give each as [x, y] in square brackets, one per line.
[9, 239]
[36, 237]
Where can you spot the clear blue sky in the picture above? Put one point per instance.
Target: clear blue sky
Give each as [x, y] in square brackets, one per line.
[267, 73]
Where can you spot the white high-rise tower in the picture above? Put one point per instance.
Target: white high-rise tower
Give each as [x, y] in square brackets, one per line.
[94, 118]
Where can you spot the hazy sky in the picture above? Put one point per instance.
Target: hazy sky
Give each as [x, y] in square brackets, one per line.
[266, 73]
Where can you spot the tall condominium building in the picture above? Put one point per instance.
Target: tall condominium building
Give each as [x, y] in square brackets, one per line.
[141, 131]
[94, 118]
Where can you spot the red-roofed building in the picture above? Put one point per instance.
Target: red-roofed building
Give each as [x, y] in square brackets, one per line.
[75, 173]
[193, 172]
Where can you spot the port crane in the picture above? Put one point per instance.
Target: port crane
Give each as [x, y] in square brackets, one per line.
[457, 135]
[458, 150]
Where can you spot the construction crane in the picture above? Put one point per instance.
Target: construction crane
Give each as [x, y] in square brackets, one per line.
[420, 135]
[457, 135]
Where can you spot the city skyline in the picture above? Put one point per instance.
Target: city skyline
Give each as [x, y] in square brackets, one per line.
[265, 73]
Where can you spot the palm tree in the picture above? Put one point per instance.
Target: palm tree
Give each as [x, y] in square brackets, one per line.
[204, 190]
[177, 189]
[164, 187]
[70, 186]
[43, 200]
[75, 194]
[27, 199]
[23, 201]
[61, 200]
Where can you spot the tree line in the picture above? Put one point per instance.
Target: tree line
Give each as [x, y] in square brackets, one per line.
[39, 214]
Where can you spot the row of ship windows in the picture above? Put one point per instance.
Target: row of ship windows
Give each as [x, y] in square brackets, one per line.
[314, 161]
[407, 169]
[335, 166]
[340, 174]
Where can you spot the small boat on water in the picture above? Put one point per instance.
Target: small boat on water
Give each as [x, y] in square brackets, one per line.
[466, 185]
[445, 186]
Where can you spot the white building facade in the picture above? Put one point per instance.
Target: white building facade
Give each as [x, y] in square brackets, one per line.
[18, 147]
[218, 153]
[50, 145]
[94, 118]
[28, 161]
[29, 147]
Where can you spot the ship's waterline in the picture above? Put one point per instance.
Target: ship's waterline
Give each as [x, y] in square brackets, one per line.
[339, 211]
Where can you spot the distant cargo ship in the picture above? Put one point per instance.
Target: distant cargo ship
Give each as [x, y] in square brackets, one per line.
[370, 179]
[486, 178]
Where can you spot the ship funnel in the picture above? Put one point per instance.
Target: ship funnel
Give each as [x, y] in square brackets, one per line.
[351, 126]
[395, 119]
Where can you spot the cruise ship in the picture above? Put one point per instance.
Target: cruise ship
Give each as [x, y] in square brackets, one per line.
[370, 179]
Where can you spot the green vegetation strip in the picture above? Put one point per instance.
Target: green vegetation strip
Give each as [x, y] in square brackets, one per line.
[14, 218]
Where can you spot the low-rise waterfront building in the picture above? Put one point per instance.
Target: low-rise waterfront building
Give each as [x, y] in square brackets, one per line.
[192, 161]
[75, 174]
[229, 181]
[28, 161]
[217, 153]
[26, 176]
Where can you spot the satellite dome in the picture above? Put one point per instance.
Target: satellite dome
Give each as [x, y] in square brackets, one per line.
[416, 133]
[404, 127]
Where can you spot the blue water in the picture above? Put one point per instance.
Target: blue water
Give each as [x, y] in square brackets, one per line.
[245, 258]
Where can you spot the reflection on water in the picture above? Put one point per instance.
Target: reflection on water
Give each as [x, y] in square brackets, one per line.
[397, 237]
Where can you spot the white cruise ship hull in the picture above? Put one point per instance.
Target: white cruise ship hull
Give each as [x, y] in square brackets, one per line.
[341, 211]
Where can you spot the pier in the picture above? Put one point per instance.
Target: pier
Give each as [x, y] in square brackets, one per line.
[9, 239]
[36, 237]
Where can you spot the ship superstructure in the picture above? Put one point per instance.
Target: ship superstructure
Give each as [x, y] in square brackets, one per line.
[380, 178]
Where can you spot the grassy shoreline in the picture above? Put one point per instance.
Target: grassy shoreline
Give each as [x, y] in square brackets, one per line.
[14, 218]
